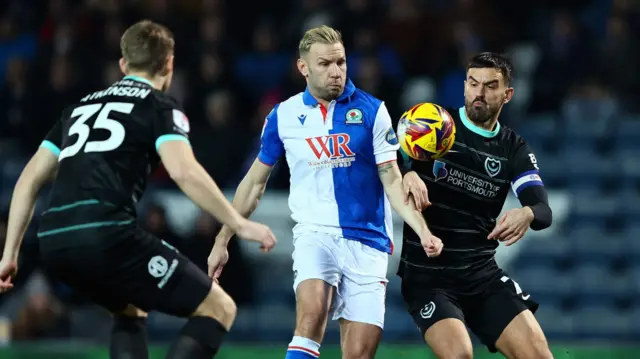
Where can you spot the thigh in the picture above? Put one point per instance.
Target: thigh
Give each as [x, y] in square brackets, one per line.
[523, 338]
[133, 267]
[440, 320]
[315, 256]
[489, 313]
[157, 277]
[80, 269]
[362, 289]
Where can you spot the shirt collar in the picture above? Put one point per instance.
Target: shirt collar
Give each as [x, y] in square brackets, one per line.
[349, 89]
[474, 128]
[138, 79]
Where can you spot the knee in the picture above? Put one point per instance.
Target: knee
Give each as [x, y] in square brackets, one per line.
[457, 354]
[311, 320]
[131, 312]
[358, 350]
[536, 349]
[219, 306]
[536, 352]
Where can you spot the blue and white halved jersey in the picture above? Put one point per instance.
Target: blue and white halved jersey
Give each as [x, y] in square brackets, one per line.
[333, 155]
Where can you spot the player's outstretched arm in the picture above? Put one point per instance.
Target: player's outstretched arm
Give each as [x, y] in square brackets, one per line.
[528, 187]
[391, 179]
[247, 196]
[40, 170]
[195, 182]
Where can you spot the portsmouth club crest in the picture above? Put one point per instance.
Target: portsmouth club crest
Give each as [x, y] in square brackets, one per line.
[427, 311]
[492, 166]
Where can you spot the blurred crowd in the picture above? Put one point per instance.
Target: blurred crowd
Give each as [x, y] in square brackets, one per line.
[233, 65]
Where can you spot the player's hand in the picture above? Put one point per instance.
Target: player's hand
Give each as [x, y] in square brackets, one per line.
[256, 232]
[415, 189]
[217, 259]
[512, 226]
[8, 270]
[432, 245]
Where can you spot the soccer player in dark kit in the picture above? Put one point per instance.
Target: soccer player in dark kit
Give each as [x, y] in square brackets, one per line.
[100, 153]
[467, 190]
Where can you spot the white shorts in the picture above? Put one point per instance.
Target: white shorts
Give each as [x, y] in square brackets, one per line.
[358, 272]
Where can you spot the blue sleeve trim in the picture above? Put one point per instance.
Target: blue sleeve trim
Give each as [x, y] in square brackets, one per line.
[527, 173]
[51, 147]
[266, 159]
[527, 185]
[166, 138]
[272, 147]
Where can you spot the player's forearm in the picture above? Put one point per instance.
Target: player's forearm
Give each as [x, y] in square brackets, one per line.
[196, 183]
[392, 181]
[404, 162]
[537, 199]
[20, 213]
[245, 201]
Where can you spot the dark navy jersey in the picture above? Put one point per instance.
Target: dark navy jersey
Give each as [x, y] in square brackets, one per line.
[468, 188]
[106, 146]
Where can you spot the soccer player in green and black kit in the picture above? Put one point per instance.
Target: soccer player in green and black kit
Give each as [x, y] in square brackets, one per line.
[467, 190]
[102, 149]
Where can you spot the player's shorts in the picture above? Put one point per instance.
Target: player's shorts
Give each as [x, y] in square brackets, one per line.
[358, 272]
[121, 265]
[486, 313]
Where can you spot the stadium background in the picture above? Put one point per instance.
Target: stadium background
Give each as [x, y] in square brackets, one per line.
[577, 89]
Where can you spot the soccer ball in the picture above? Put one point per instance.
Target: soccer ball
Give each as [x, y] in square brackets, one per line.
[426, 132]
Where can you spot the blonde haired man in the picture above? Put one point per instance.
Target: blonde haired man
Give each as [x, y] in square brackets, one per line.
[341, 148]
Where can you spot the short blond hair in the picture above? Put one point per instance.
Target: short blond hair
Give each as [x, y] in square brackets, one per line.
[319, 35]
[146, 46]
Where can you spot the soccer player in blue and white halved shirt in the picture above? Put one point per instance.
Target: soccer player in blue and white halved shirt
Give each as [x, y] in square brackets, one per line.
[341, 149]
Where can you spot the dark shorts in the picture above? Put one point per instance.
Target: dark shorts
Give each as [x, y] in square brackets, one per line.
[486, 313]
[121, 265]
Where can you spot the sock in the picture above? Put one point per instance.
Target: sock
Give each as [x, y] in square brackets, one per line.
[200, 338]
[303, 348]
[129, 338]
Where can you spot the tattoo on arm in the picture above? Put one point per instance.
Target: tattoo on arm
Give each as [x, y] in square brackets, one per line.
[385, 168]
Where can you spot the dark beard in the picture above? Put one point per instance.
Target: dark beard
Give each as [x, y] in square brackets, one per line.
[479, 116]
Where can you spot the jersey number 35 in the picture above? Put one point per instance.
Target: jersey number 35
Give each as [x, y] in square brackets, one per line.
[80, 128]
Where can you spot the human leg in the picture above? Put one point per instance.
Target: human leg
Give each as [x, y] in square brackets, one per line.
[360, 300]
[316, 272]
[440, 319]
[502, 317]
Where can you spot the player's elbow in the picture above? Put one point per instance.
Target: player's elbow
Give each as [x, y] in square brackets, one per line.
[543, 217]
[181, 173]
[40, 170]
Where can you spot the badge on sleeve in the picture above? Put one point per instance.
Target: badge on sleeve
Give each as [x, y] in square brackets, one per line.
[181, 121]
[391, 137]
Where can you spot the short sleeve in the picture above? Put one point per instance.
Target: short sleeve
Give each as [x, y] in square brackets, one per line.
[524, 167]
[385, 141]
[271, 148]
[53, 141]
[171, 125]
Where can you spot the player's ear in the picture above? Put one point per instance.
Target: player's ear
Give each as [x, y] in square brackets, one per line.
[169, 64]
[508, 94]
[123, 65]
[302, 67]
